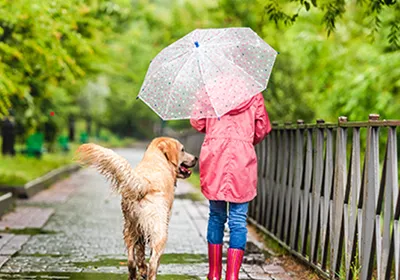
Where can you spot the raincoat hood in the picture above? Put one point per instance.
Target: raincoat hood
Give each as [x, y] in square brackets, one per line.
[242, 107]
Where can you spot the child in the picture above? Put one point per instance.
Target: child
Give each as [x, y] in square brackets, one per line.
[228, 174]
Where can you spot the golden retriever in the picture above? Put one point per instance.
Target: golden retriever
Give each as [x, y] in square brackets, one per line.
[147, 194]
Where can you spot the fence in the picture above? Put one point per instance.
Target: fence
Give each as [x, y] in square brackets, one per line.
[325, 200]
[318, 200]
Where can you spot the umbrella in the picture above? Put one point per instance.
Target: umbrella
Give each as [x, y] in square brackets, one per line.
[207, 73]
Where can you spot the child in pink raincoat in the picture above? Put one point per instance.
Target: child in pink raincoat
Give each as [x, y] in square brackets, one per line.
[228, 174]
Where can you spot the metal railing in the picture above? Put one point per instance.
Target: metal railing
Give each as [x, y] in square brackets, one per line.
[325, 200]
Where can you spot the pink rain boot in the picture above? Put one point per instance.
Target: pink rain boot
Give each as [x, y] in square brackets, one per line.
[214, 261]
[235, 257]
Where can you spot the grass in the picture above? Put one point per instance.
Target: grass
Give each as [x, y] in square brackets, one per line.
[194, 179]
[115, 142]
[272, 244]
[18, 170]
[27, 231]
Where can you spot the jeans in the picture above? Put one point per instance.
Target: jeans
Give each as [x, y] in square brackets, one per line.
[237, 222]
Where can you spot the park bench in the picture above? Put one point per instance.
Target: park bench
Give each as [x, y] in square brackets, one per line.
[34, 145]
[63, 143]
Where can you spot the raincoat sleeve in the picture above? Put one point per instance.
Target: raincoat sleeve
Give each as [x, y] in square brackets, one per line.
[262, 123]
[199, 125]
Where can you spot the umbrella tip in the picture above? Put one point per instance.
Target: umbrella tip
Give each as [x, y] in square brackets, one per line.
[137, 97]
[278, 52]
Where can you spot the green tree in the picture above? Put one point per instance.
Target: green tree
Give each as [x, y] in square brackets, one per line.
[48, 49]
[320, 76]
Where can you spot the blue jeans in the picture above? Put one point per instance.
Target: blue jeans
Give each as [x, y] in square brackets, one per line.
[237, 223]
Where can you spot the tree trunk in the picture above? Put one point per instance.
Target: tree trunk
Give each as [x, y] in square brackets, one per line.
[89, 126]
[98, 129]
[71, 128]
[8, 135]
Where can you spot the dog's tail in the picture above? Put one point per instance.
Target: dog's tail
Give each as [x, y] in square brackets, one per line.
[114, 167]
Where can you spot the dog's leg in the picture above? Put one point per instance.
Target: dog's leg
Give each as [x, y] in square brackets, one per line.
[141, 257]
[131, 263]
[130, 242]
[157, 250]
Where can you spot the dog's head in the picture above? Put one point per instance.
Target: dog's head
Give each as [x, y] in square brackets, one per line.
[175, 153]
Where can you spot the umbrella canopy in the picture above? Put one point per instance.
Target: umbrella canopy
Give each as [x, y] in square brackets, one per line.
[207, 73]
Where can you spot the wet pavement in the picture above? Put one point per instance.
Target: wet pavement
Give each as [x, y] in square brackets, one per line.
[74, 231]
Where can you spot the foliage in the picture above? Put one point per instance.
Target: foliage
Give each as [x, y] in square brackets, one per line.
[194, 179]
[47, 48]
[88, 58]
[153, 28]
[332, 10]
[109, 140]
[316, 76]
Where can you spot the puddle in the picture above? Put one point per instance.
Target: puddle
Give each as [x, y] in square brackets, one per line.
[165, 259]
[86, 276]
[27, 231]
[37, 255]
[183, 258]
[102, 263]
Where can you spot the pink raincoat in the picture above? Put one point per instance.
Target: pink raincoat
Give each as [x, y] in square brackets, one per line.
[228, 162]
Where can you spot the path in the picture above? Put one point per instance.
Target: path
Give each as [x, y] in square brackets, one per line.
[74, 231]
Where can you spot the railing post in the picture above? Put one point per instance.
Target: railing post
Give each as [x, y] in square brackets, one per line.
[299, 160]
[338, 198]
[371, 187]
[389, 192]
[262, 177]
[277, 180]
[305, 192]
[258, 199]
[272, 177]
[290, 189]
[267, 175]
[284, 180]
[351, 200]
[325, 202]
[316, 190]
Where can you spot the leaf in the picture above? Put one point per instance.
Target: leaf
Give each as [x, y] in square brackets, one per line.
[314, 2]
[307, 5]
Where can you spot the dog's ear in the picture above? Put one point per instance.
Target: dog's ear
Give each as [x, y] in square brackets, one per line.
[170, 151]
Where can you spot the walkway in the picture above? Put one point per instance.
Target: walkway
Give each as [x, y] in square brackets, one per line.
[74, 231]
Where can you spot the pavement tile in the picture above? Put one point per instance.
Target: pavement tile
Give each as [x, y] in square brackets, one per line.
[14, 245]
[58, 193]
[26, 217]
[4, 259]
[273, 269]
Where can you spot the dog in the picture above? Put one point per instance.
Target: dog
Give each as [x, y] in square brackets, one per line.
[147, 194]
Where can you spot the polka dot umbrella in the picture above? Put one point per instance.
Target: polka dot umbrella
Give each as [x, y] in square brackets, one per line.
[207, 73]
